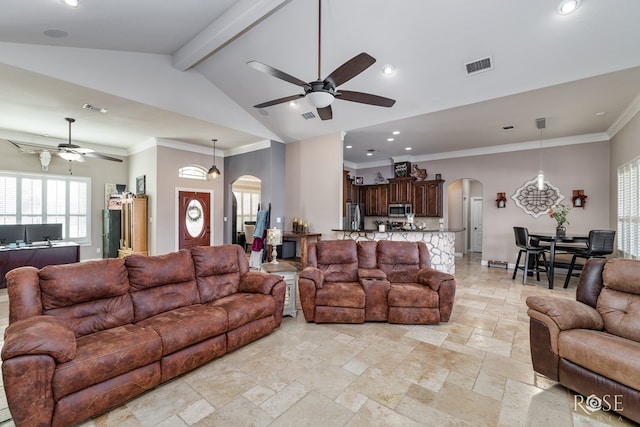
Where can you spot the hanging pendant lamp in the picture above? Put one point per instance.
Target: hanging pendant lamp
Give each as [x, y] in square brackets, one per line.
[541, 123]
[214, 172]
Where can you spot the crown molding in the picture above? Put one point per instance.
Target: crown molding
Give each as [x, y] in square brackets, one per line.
[624, 118]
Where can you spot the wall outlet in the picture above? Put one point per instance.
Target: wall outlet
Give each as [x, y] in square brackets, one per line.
[97, 250]
[278, 220]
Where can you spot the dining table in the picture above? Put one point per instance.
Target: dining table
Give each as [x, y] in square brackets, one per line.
[573, 240]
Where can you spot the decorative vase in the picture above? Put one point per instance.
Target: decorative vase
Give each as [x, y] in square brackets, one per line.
[561, 231]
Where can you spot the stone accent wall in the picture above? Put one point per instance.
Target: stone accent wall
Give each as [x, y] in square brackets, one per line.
[441, 244]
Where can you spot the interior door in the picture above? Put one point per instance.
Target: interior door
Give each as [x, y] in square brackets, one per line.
[476, 224]
[194, 219]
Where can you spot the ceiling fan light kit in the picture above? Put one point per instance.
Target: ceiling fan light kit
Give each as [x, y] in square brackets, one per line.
[72, 3]
[321, 93]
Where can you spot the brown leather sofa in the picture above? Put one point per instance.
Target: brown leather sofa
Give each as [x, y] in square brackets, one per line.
[352, 282]
[592, 344]
[88, 336]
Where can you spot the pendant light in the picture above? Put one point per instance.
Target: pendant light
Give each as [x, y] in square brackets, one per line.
[214, 172]
[541, 123]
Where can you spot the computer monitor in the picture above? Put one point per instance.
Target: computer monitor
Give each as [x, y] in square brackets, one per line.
[43, 232]
[11, 233]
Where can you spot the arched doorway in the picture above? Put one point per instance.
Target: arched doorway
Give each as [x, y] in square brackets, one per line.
[465, 212]
[246, 192]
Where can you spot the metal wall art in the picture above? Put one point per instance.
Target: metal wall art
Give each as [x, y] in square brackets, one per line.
[536, 202]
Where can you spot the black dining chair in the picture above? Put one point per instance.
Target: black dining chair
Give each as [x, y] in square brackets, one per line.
[600, 244]
[532, 253]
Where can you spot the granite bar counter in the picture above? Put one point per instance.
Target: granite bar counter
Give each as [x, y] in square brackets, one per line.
[441, 243]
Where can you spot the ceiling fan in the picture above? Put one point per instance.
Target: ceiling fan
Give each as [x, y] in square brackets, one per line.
[321, 93]
[67, 151]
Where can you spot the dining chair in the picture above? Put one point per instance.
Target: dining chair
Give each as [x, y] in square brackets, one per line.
[532, 252]
[599, 245]
[248, 232]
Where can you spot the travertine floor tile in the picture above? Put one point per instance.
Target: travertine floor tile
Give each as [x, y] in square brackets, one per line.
[474, 370]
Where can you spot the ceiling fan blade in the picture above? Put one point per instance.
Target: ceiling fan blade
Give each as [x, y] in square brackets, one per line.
[84, 150]
[277, 73]
[365, 98]
[325, 113]
[102, 156]
[279, 101]
[350, 69]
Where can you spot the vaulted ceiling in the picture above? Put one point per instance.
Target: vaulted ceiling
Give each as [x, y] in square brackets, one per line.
[580, 71]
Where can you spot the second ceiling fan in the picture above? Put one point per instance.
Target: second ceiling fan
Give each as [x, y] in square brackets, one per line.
[321, 93]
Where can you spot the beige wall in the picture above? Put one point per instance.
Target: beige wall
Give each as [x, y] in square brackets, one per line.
[314, 183]
[625, 146]
[582, 166]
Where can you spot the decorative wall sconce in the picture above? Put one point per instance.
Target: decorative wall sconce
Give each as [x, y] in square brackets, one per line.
[501, 201]
[579, 199]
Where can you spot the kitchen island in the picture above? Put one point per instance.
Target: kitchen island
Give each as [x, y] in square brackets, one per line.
[441, 243]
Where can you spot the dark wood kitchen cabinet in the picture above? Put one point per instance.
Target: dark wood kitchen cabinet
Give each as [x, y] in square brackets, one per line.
[427, 198]
[375, 199]
[350, 191]
[400, 190]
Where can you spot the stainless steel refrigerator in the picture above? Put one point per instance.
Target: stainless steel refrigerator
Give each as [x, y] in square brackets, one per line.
[354, 216]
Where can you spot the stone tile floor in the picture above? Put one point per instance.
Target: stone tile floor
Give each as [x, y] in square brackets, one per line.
[473, 371]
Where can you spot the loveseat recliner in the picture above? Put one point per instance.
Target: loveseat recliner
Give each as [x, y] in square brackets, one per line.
[352, 282]
[85, 337]
[591, 345]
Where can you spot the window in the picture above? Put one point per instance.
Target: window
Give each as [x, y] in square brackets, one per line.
[193, 172]
[248, 201]
[629, 210]
[40, 199]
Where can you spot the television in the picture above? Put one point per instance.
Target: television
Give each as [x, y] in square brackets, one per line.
[12, 233]
[43, 232]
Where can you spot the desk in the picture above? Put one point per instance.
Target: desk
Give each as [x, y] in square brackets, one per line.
[552, 239]
[37, 256]
[304, 242]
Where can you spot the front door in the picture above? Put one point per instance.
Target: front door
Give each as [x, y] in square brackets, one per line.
[194, 228]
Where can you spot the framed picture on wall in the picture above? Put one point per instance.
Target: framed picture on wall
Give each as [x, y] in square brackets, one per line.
[140, 185]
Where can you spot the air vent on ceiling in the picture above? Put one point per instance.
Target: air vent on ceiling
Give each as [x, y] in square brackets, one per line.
[308, 115]
[478, 66]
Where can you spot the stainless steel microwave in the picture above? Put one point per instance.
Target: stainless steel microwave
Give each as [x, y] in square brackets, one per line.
[399, 209]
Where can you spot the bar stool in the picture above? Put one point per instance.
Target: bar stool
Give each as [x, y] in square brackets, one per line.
[599, 245]
[531, 253]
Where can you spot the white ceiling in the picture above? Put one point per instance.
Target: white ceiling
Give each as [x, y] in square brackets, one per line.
[564, 68]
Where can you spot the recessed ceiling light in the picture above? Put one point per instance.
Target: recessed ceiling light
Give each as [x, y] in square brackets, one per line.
[369, 154]
[407, 148]
[293, 104]
[71, 3]
[396, 132]
[349, 146]
[390, 139]
[568, 6]
[600, 113]
[388, 69]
